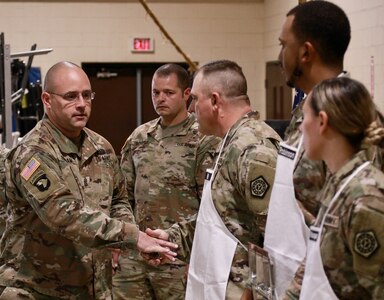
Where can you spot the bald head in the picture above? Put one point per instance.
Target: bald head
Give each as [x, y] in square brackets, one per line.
[70, 115]
[52, 76]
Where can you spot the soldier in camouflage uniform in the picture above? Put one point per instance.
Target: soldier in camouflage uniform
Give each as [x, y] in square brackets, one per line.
[163, 162]
[67, 202]
[240, 185]
[339, 114]
[314, 39]
[3, 200]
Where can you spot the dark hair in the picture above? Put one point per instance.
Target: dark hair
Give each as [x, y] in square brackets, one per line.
[229, 75]
[349, 108]
[326, 26]
[183, 77]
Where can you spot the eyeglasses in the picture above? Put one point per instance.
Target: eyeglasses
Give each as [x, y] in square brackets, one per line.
[73, 96]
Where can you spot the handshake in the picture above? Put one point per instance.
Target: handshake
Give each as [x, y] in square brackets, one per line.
[155, 248]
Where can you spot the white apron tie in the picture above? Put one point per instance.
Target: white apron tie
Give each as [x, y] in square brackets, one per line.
[315, 283]
[213, 248]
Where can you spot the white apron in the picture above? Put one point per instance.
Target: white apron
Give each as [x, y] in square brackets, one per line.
[213, 249]
[315, 283]
[286, 233]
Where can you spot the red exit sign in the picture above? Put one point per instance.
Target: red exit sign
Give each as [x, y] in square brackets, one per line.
[143, 45]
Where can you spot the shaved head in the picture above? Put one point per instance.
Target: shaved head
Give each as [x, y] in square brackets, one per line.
[51, 78]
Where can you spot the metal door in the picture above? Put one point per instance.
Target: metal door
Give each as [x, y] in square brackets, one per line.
[123, 98]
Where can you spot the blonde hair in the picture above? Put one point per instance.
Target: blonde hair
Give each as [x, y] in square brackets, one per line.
[350, 110]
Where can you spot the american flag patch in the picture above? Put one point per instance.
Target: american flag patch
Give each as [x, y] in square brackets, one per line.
[30, 168]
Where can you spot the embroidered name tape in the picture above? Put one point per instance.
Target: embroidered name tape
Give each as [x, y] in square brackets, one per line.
[286, 152]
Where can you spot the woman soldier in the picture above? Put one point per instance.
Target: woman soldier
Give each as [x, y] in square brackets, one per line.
[345, 254]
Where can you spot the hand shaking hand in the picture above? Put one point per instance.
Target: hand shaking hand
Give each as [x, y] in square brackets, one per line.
[155, 248]
[156, 258]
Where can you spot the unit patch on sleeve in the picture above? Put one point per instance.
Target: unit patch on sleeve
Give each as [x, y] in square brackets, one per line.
[30, 168]
[259, 187]
[365, 243]
[42, 183]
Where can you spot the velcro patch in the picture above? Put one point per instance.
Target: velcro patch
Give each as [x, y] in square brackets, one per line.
[42, 183]
[331, 221]
[259, 187]
[366, 243]
[30, 168]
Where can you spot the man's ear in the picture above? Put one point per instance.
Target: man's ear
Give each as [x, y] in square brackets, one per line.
[186, 94]
[308, 52]
[215, 100]
[46, 99]
[323, 121]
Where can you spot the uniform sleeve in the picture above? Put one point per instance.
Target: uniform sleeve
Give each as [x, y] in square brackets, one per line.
[37, 178]
[120, 206]
[3, 201]
[205, 159]
[365, 237]
[128, 170]
[182, 234]
[256, 174]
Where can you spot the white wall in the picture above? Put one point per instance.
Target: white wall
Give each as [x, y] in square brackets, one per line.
[367, 26]
[101, 32]
[244, 32]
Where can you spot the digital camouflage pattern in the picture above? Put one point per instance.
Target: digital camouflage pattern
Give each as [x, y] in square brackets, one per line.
[3, 201]
[60, 198]
[164, 169]
[352, 240]
[241, 189]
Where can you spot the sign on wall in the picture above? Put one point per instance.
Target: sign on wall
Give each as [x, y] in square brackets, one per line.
[140, 45]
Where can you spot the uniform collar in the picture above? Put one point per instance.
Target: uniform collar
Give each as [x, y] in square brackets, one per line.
[66, 145]
[184, 126]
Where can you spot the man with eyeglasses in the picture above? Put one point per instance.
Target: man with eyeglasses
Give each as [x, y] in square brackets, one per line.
[67, 202]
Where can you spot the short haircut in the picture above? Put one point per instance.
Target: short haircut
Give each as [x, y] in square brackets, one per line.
[183, 77]
[326, 26]
[227, 76]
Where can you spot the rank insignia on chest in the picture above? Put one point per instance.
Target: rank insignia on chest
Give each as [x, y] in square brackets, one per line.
[259, 187]
[365, 243]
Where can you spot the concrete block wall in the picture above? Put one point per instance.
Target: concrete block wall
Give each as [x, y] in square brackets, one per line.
[101, 32]
[244, 32]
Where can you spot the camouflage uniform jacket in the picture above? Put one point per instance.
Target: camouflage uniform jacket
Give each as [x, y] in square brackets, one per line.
[241, 189]
[352, 240]
[164, 169]
[308, 176]
[59, 201]
[3, 200]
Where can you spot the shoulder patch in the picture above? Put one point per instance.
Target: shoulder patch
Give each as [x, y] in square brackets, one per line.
[365, 243]
[259, 187]
[42, 183]
[30, 168]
